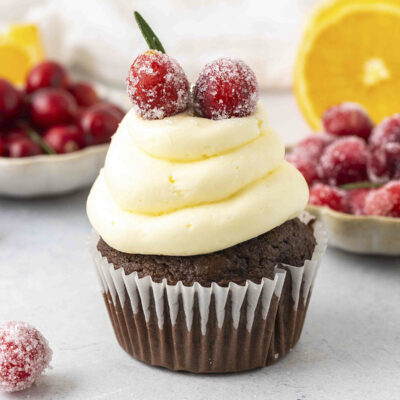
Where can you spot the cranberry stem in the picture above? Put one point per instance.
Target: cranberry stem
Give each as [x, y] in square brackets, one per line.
[149, 36]
[33, 135]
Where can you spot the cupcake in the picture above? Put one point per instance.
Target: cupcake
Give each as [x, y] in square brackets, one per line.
[205, 255]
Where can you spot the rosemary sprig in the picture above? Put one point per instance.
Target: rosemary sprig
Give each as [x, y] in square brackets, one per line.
[361, 185]
[149, 36]
[33, 135]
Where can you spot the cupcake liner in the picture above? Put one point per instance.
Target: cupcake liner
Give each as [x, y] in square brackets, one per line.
[209, 329]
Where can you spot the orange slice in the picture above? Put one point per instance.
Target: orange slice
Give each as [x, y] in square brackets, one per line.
[20, 49]
[348, 53]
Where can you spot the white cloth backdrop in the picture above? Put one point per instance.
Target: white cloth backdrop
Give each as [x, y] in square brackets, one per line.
[100, 37]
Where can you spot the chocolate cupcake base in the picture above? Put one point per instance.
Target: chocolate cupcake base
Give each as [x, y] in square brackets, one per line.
[212, 329]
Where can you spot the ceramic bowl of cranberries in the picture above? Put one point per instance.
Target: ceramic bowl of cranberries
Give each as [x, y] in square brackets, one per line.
[54, 133]
[353, 172]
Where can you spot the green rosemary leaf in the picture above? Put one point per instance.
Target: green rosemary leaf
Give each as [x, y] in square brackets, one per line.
[361, 185]
[39, 140]
[149, 36]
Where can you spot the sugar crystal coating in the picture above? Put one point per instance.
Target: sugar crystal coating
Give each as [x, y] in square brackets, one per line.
[347, 119]
[24, 355]
[344, 161]
[329, 196]
[384, 201]
[157, 86]
[226, 88]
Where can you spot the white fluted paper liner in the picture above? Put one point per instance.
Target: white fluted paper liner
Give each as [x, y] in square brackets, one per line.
[132, 288]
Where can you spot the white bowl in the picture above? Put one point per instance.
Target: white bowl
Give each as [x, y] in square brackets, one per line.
[363, 234]
[46, 175]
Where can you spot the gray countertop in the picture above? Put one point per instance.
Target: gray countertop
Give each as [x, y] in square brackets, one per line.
[350, 347]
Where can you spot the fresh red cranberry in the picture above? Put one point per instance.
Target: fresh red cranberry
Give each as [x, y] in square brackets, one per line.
[65, 138]
[52, 106]
[355, 201]
[347, 119]
[11, 136]
[344, 161]
[11, 102]
[24, 355]
[99, 125]
[312, 146]
[1, 147]
[388, 131]
[384, 201]
[305, 165]
[226, 88]
[384, 162]
[84, 94]
[23, 147]
[14, 134]
[105, 105]
[46, 74]
[329, 196]
[157, 86]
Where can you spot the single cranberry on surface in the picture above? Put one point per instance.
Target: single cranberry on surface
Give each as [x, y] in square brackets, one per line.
[24, 355]
[305, 165]
[226, 88]
[23, 147]
[384, 162]
[329, 196]
[105, 105]
[157, 86]
[99, 124]
[347, 119]
[384, 201]
[313, 145]
[355, 201]
[65, 138]
[344, 161]
[46, 74]
[388, 131]
[52, 106]
[11, 102]
[84, 94]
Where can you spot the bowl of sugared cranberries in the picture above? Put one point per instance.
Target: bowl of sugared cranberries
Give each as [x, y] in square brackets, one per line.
[54, 133]
[353, 172]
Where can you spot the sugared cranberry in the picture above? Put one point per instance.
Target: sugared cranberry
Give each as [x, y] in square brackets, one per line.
[64, 138]
[226, 88]
[11, 102]
[344, 161]
[157, 86]
[384, 162]
[46, 74]
[325, 195]
[312, 146]
[355, 201]
[24, 355]
[347, 119]
[99, 125]
[84, 94]
[23, 147]
[305, 165]
[384, 201]
[52, 106]
[388, 131]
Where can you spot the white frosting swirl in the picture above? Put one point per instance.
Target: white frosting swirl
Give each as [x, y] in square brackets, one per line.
[186, 185]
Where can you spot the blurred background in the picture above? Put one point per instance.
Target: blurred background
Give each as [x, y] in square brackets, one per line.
[99, 38]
